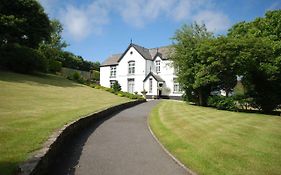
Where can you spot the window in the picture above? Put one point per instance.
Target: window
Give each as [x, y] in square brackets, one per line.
[112, 71]
[131, 67]
[177, 88]
[112, 83]
[131, 85]
[158, 66]
[150, 85]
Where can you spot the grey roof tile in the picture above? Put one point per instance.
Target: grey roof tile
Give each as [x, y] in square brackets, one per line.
[112, 60]
[149, 54]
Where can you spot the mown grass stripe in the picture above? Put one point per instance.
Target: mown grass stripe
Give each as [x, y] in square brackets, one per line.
[210, 141]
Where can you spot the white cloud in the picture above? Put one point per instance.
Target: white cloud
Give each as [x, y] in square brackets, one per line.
[140, 12]
[79, 22]
[182, 10]
[215, 21]
[49, 5]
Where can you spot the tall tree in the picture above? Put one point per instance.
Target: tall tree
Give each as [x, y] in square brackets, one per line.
[53, 48]
[193, 74]
[261, 56]
[269, 26]
[23, 22]
[220, 55]
[261, 70]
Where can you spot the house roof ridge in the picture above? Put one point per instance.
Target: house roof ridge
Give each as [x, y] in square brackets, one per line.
[139, 46]
[161, 47]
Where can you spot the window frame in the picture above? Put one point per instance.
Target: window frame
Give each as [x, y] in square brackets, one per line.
[158, 66]
[113, 71]
[176, 86]
[131, 67]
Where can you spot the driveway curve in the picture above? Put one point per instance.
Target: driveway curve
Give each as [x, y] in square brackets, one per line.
[120, 145]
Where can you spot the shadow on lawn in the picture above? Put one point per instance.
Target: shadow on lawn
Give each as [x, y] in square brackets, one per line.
[8, 167]
[253, 111]
[37, 79]
[68, 159]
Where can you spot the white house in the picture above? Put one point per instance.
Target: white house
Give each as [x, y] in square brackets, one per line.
[140, 69]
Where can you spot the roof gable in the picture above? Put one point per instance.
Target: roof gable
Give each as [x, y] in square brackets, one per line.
[155, 76]
[148, 54]
[144, 52]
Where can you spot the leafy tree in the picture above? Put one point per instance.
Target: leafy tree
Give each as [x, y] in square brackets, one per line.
[260, 58]
[261, 70]
[23, 22]
[70, 60]
[222, 54]
[52, 49]
[22, 59]
[56, 40]
[269, 26]
[193, 71]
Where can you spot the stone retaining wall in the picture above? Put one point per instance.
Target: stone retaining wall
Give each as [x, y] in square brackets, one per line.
[39, 164]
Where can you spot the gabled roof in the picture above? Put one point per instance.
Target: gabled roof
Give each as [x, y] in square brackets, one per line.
[112, 60]
[155, 76]
[148, 54]
[162, 52]
[144, 52]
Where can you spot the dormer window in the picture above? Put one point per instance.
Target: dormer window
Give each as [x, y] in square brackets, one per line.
[157, 66]
[112, 71]
[131, 67]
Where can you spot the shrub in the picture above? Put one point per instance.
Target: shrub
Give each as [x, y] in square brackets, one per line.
[119, 93]
[244, 102]
[22, 59]
[76, 76]
[54, 66]
[110, 90]
[222, 103]
[116, 86]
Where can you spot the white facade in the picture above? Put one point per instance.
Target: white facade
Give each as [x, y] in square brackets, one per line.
[139, 69]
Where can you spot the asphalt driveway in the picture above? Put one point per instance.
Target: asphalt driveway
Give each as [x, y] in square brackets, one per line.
[120, 145]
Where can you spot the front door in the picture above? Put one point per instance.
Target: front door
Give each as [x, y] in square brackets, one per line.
[160, 93]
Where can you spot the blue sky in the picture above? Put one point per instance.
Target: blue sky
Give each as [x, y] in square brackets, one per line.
[95, 29]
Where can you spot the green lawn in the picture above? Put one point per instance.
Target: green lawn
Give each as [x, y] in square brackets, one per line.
[33, 107]
[215, 142]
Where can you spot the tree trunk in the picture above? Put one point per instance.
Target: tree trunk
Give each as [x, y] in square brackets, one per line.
[200, 94]
[227, 92]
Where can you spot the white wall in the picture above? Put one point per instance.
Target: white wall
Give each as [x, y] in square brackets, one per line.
[140, 70]
[104, 76]
[154, 86]
[149, 64]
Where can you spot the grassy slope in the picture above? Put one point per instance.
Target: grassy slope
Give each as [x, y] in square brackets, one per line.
[32, 107]
[210, 141]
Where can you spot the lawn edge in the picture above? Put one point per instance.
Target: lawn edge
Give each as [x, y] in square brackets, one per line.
[42, 159]
[190, 172]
